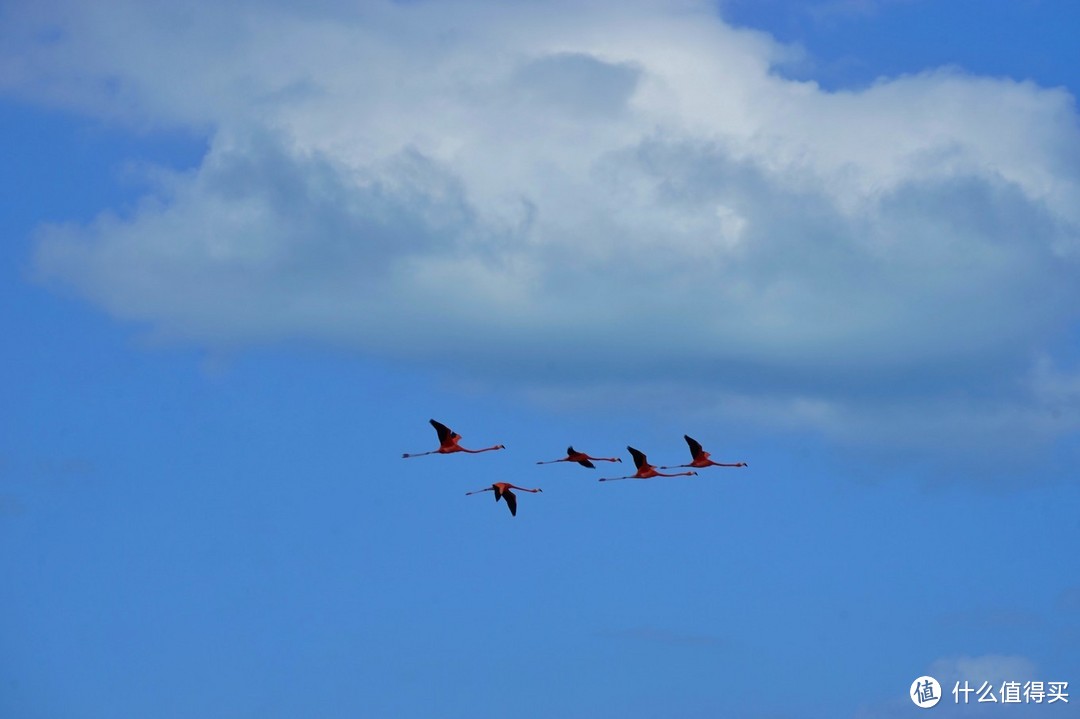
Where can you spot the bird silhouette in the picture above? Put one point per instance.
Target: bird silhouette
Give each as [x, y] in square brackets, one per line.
[701, 458]
[502, 491]
[581, 458]
[644, 469]
[448, 443]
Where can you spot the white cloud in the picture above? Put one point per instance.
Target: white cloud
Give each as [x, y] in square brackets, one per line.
[619, 193]
[992, 668]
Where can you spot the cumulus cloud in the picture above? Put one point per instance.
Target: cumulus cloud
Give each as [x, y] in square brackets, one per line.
[582, 201]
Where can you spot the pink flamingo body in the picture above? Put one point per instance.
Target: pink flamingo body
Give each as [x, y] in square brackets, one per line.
[581, 458]
[700, 458]
[448, 443]
[502, 491]
[644, 469]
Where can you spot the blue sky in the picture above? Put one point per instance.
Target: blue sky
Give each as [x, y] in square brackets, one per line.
[251, 250]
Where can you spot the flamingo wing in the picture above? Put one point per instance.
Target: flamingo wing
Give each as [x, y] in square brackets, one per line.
[445, 433]
[695, 446]
[639, 457]
[587, 463]
[511, 501]
[570, 451]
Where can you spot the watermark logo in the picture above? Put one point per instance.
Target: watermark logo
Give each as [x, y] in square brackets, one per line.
[925, 692]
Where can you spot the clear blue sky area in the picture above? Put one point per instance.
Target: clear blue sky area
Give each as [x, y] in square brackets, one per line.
[249, 252]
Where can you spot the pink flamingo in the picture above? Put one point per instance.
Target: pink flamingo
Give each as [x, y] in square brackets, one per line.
[502, 491]
[701, 457]
[581, 458]
[448, 442]
[644, 469]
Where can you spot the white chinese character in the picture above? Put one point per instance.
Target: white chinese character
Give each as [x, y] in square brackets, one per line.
[1010, 693]
[1033, 692]
[957, 691]
[986, 693]
[1056, 692]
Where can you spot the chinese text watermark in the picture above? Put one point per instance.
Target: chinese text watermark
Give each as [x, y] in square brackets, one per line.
[926, 692]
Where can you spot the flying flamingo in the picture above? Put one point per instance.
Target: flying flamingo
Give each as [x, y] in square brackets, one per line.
[502, 491]
[644, 469]
[448, 442]
[581, 458]
[701, 457]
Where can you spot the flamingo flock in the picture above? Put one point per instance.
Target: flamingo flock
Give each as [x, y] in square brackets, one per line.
[448, 444]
